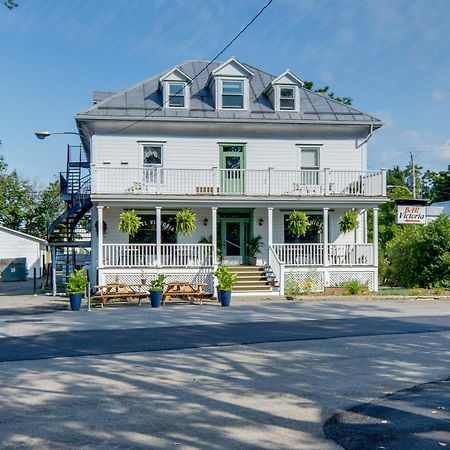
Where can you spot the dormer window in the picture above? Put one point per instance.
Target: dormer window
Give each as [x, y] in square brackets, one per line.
[284, 92]
[287, 98]
[175, 87]
[233, 94]
[176, 95]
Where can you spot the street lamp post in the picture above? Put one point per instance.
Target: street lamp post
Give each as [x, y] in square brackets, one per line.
[43, 134]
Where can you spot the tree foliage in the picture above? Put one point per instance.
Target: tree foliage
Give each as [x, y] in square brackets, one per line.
[23, 206]
[419, 256]
[10, 4]
[326, 90]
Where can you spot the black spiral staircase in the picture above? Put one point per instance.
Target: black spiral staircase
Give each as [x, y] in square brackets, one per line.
[70, 232]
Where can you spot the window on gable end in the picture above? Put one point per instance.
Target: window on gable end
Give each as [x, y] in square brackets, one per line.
[233, 94]
[176, 95]
[287, 98]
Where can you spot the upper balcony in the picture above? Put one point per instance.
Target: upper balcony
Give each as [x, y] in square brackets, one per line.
[238, 182]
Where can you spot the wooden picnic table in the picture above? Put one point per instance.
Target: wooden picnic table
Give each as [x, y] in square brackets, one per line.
[120, 290]
[184, 290]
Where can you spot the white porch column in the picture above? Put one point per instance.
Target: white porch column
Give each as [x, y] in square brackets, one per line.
[375, 237]
[214, 235]
[100, 236]
[325, 237]
[53, 271]
[158, 236]
[269, 227]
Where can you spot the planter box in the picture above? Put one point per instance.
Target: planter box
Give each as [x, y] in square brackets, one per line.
[336, 290]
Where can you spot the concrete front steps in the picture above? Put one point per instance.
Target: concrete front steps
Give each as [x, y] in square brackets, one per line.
[250, 279]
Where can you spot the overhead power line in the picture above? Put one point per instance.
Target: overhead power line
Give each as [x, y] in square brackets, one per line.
[224, 49]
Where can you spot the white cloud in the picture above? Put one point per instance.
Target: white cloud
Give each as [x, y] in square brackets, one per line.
[438, 96]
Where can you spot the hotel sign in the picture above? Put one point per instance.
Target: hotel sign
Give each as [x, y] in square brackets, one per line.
[411, 214]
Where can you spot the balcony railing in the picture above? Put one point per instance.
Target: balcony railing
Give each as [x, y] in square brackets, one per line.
[239, 182]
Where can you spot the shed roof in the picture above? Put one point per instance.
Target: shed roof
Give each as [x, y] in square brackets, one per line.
[22, 235]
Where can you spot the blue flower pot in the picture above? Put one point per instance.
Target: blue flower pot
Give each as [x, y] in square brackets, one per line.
[75, 301]
[155, 298]
[224, 297]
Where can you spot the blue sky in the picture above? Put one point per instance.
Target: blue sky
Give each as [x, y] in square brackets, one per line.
[391, 57]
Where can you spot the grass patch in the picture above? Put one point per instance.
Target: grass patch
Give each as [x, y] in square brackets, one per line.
[413, 292]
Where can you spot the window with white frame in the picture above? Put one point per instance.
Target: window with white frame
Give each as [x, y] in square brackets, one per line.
[233, 94]
[176, 95]
[152, 160]
[287, 98]
[309, 165]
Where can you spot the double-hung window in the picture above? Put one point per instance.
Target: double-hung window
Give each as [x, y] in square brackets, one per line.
[176, 95]
[287, 98]
[310, 165]
[233, 94]
[152, 160]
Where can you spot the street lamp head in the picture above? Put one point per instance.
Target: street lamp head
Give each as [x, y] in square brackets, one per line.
[42, 134]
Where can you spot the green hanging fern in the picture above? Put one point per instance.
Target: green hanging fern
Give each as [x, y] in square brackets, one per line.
[129, 222]
[185, 221]
[348, 221]
[298, 223]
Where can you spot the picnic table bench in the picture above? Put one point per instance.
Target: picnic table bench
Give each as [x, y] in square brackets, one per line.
[120, 290]
[184, 290]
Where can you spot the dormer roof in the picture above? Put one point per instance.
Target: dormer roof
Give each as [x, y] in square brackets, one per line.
[175, 74]
[287, 77]
[232, 68]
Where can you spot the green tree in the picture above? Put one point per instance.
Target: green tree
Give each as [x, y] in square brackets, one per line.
[16, 198]
[419, 255]
[326, 89]
[440, 191]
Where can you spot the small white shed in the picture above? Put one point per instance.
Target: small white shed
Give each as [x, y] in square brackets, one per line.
[15, 244]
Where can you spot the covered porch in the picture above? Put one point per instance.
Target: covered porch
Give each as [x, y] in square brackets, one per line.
[222, 236]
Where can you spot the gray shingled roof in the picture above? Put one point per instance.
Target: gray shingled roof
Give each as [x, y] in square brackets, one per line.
[145, 99]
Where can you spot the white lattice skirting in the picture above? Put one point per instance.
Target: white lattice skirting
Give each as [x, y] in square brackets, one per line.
[338, 278]
[135, 278]
[305, 281]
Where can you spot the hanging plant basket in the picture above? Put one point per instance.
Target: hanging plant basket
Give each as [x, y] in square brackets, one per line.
[129, 222]
[185, 221]
[298, 223]
[348, 221]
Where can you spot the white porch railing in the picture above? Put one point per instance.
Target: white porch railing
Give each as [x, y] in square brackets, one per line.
[350, 254]
[229, 182]
[313, 254]
[129, 255]
[145, 255]
[277, 268]
[299, 254]
[186, 255]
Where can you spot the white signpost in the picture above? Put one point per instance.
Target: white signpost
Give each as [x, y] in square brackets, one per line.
[411, 214]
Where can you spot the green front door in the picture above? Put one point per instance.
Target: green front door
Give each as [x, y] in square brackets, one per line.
[235, 234]
[232, 165]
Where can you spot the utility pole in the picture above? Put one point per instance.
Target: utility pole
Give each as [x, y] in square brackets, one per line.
[413, 175]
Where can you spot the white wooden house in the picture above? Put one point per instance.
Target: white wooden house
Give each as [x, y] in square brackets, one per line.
[242, 149]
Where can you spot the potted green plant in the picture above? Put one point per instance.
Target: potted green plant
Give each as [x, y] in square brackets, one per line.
[226, 281]
[75, 287]
[348, 221]
[129, 222]
[156, 287]
[298, 223]
[254, 246]
[185, 221]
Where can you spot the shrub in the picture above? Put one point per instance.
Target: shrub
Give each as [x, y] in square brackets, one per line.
[354, 287]
[419, 255]
[225, 279]
[157, 285]
[76, 283]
